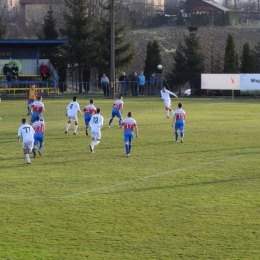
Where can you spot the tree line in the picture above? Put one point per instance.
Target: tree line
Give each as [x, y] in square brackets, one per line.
[189, 60]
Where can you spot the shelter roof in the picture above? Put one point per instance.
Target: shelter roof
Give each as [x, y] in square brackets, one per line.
[31, 43]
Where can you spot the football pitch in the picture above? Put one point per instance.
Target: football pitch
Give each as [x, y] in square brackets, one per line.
[169, 200]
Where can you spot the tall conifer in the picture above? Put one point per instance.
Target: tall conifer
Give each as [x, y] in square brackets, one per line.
[153, 59]
[231, 57]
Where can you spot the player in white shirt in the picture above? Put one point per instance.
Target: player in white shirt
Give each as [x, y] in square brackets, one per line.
[165, 95]
[28, 133]
[96, 123]
[71, 112]
[179, 119]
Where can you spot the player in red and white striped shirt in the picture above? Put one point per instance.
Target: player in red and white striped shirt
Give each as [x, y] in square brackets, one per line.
[179, 119]
[89, 110]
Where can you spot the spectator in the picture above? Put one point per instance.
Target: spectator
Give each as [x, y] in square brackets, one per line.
[44, 70]
[7, 72]
[15, 72]
[105, 84]
[122, 80]
[141, 81]
[152, 83]
[134, 84]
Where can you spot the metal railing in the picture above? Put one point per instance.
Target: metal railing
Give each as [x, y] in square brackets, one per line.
[125, 87]
[87, 88]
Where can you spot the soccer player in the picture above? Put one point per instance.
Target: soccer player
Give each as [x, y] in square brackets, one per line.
[37, 107]
[89, 110]
[129, 124]
[165, 95]
[31, 97]
[39, 128]
[27, 132]
[117, 107]
[71, 113]
[96, 123]
[179, 119]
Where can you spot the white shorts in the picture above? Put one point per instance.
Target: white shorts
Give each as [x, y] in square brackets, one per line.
[73, 118]
[96, 135]
[28, 144]
[167, 103]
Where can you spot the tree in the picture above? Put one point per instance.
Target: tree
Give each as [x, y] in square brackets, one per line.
[48, 31]
[231, 57]
[124, 49]
[189, 61]
[2, 28]
[79, 31]
[247, 59]
[153, 58]
[256, 53]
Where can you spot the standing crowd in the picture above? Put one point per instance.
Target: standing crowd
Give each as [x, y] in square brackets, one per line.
[137, 83]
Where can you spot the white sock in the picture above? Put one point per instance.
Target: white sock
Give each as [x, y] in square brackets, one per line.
[167, 113]
[97, 142]
[67, 127]
[75, 128]
[27, 157]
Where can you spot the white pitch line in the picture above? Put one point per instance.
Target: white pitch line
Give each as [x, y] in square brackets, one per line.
[131, 181]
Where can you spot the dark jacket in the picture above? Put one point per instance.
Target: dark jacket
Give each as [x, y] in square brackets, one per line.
[122, 78]
[15, 69]
[134, 81]
[6, 69]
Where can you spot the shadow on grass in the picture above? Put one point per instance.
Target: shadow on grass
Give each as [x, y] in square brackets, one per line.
[188, 185]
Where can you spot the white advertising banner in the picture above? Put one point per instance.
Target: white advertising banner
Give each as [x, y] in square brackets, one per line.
[220, 81]
[249, 82]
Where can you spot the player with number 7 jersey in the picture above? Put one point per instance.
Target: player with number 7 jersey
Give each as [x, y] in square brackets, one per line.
[129, 125]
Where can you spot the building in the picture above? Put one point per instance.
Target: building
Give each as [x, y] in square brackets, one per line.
[35, 10]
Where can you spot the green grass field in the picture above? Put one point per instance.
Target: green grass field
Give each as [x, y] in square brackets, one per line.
[168, 200]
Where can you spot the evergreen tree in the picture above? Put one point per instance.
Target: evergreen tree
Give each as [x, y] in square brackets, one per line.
[189, 61]
[124, 50]
[256, 54]
[231, 57]
[2, 28]
[79, 31]
[49, 32]
[247, 59]
[153, 59]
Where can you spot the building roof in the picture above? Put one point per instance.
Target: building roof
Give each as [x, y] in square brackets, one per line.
[189, 4]
[197, 5]
[37, 2]
[216, 5]
[31, 43]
